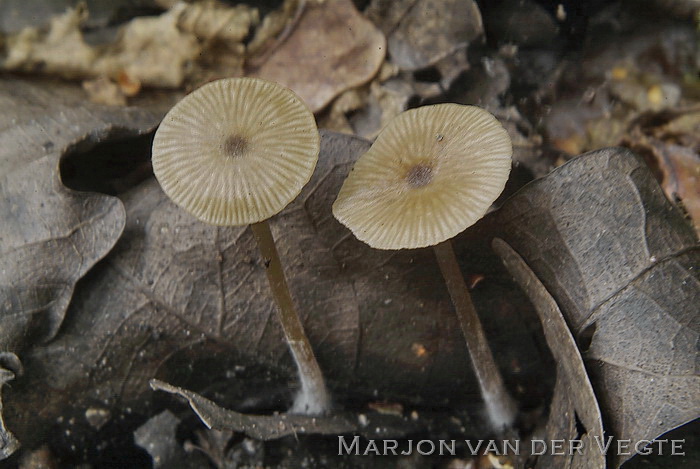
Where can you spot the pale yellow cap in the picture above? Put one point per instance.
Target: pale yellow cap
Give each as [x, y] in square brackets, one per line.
[433, 172]
[236, 151]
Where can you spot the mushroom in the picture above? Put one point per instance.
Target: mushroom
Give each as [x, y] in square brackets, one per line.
[236, 152]
[432, 172]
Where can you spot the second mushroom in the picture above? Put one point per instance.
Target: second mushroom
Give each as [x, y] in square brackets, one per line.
[236, 152]
[432, 172]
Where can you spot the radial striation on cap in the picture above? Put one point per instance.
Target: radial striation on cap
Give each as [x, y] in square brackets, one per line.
[236, 151]
[432, 172]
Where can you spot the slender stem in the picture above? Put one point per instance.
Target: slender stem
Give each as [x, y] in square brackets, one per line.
[500, 406]
[313, 398]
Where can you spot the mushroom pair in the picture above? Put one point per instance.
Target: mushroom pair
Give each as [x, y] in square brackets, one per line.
[432, 172]
[236, 152]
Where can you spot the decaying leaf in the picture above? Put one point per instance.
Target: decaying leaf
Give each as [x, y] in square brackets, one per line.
[176, 291]
[50, 236]
[187, 302]
[275, 29]
[270, 427]
[365, 111]
[624, 266]
[573, 400]
[261, 427]
[331, 49]
[626, 93]
[672, 146]
[420, 34]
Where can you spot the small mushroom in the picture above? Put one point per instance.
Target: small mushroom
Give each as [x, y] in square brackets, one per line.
[236, 152]
[432, 172]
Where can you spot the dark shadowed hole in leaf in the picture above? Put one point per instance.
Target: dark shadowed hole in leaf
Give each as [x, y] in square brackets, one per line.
[586, 337]
[110, 163]
[430, 75]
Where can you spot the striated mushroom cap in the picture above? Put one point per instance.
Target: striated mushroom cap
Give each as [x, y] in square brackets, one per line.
[236, 151]
[432, 172]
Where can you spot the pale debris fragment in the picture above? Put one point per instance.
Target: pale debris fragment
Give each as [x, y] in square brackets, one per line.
[210, 20]
[186, 44]
[97, 417]
[102, 90]
[60, 50]
[153, 50]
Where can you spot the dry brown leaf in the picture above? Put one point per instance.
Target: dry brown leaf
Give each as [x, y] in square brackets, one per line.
[573, 394]
[178, 297]
[622, 265]
[274, 28]
[673, 149]
[50, 236]
[422, 33]
[331, 49]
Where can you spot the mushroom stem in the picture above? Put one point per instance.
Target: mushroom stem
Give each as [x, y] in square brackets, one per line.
[499, 405]
[313, 397]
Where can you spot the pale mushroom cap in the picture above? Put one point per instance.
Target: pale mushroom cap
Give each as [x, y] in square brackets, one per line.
[236, 151]
[432, 172]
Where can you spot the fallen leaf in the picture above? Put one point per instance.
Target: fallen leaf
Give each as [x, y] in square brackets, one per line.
[274, 29]
[186, 302]
[623, 265]
[50, 235]
[573, 399]
[270, 427]
[261, 427]
[420, 34]
[332, 48]
[672, 147]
